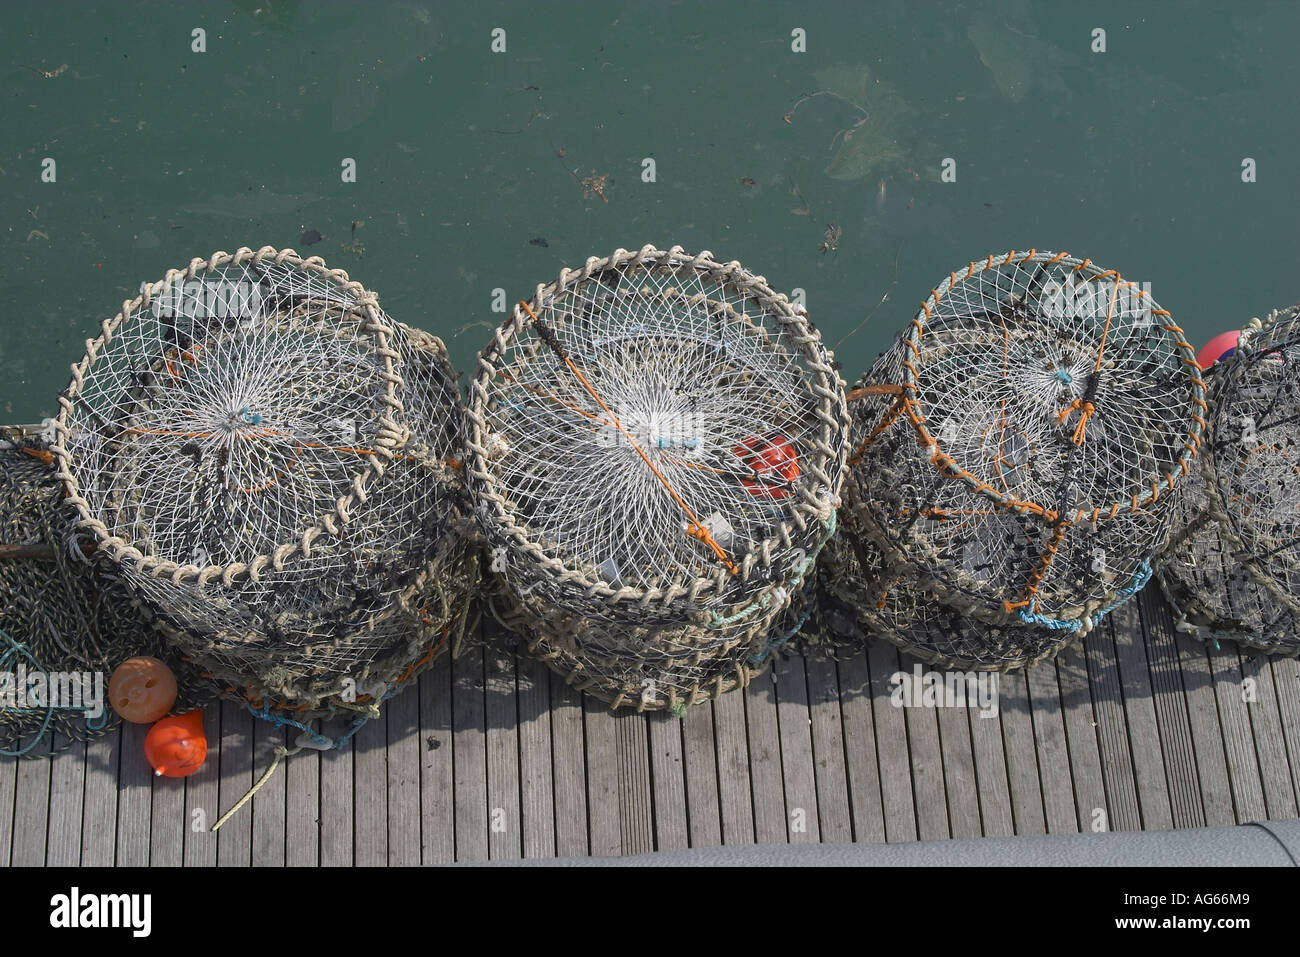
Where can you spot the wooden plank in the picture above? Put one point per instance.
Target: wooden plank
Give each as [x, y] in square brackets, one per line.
[369, 798]
[202, 807]
[862, 770]
[996, 817]
[1171, 710]
[1054, 775]
[403, 774]
[671, 832]
[1266, 726]
[797, 775]
[1021, 755]
[1081, 740]
[1124, 813]
[8, 785]
[336, 810]
[958, 758]
[537, 799]
[700, 771]
[927, 760]
[32, 806]
[568, 751]
[767, 790]
[1286, 679]
[135, 797]
[437, 780]
[731, 737]
[891, 745]
[235, 839]
[1238, 741]
[167, 822]
[99, 805]
[834, 819]
[67, 788]
[1140, 713]
[505, 824]
[469, 727]
[635, 799]
[1207, 735]
[603, 779]
[269, 806]
[302, 814]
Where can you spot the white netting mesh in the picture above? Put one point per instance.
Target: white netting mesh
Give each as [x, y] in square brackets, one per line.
[1017, 446]
[656, 446]
[1232, 568]
[271, 462]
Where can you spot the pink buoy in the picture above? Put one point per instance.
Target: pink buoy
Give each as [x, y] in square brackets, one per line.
[1220, 347]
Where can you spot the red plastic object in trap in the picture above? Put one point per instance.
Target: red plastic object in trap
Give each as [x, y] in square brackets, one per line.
[774, 464]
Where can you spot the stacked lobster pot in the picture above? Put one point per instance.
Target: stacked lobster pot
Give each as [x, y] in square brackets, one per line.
[269, 465]
[1015, 460]
[1232, 567]
[656, 444]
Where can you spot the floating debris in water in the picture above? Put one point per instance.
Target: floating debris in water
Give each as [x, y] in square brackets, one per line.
[311, 237]
[539, 241]
[831, 238]
[594, 185]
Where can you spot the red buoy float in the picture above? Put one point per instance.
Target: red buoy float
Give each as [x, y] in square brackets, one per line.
[774, 465]
[1220, 347]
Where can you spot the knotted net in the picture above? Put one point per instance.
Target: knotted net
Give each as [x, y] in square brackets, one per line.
[1014, 452]
[269, 462]
[656, 445]
[63, 628]
[1230, 569]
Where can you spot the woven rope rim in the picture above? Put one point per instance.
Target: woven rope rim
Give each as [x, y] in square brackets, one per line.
[915, 411]
[391, 436]
[827, 464]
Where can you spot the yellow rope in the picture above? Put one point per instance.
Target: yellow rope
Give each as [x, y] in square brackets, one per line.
[281, 753]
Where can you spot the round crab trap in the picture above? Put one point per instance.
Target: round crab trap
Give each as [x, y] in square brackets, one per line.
[63, 628]
[1232, 566]
[1016, 450]
[656, 444]
[268, 461]
[862, 595]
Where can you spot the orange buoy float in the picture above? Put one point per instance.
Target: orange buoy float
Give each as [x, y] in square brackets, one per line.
[774, 465]
[176, 747]
[142, 690]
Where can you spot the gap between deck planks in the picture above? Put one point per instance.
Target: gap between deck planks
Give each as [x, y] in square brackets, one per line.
[493, 757]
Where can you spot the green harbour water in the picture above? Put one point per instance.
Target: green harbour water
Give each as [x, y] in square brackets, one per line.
[1133, 157]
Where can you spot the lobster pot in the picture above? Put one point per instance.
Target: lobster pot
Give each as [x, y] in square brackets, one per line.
[864, 595]
[1018, 451]
[656, 443]
[1230, 570]
[270, 464]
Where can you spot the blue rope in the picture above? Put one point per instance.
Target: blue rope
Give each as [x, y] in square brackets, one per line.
[1031, 617]
[19, 649]
[279, 721]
